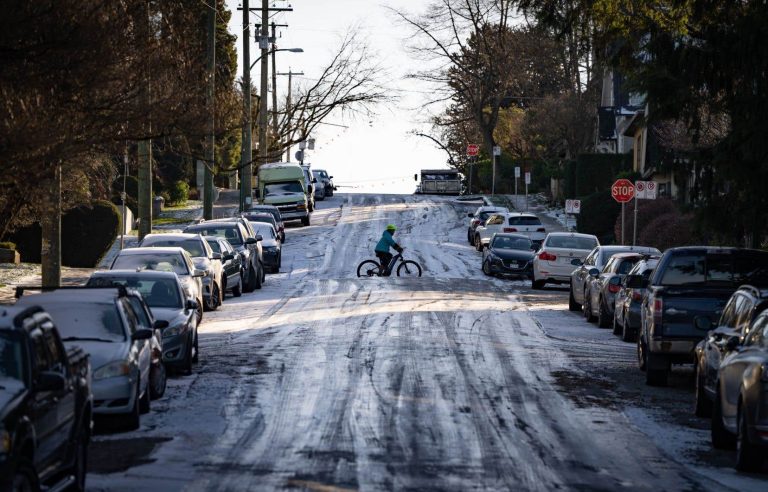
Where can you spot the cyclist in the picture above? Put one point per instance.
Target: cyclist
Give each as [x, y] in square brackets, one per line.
[382, 248]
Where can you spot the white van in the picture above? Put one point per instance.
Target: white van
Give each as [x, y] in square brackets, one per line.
[283, 184]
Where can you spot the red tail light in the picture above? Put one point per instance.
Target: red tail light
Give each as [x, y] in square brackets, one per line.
[544, 256]
[510, 229]
[614, 288]
[658, 309]
[541, 229]
[637, 296]
[475, 222]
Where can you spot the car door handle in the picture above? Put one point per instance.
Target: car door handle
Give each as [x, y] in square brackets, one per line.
[674, 311]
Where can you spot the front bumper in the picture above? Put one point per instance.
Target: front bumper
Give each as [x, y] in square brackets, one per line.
[114, 395]
[507, 267]
[271, 257]
[679, 348]
[175, 348]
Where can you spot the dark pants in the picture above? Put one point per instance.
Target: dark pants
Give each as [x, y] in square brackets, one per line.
[384, 259]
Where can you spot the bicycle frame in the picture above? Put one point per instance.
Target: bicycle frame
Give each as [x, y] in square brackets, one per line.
[393, 262]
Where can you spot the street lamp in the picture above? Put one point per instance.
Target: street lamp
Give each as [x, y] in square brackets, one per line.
[292, 50]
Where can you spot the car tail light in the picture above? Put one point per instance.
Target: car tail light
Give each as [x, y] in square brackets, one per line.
[510, 229]
[475, 222]
[544, 256]
[658, 309]
[613, 289]
[637, 296]
[541, 229]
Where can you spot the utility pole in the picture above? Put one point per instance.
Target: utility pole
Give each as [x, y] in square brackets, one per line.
[50, 225]
[290, 73]
[210, 150]
[246, 167]
[264, 45]
[274, 80]
[144, 148]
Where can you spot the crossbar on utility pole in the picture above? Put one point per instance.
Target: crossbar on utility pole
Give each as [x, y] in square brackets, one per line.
[210, 150]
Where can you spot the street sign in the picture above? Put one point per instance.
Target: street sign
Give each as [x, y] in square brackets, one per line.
[473, 150]
[299, 155]
[646, 190]
[517, 171]
[623, 190]
[496, 150]
[527, 178]
[573, 206]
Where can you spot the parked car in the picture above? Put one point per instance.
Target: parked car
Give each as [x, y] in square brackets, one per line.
[270, 244]
[260, 217]
[324, 181]
[739, 312]
[232, 265]
[319, 187]
[597, 291]
[105, 324]
[169, 305]
[479, 217]
[203, 257]
[46, 404]
[309, 181]
[518, 222]
[175, 260]
[280, 225]
[740, 409]
[629, 300]
[559, 254]
[581, 277]
[689, 282]
[509, 254]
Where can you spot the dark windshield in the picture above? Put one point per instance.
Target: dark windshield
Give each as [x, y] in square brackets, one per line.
[149, 261]
[94, 320]
[12, 362]
[228, 232]
[286, 188]
[157, 292]
[571, 242]
[192, 246]
[505, 242]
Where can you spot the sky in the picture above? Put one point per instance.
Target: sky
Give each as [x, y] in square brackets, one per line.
[372, 155]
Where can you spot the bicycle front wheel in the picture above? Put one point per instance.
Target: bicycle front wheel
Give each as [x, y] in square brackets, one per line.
[409, 268]
[368, 268]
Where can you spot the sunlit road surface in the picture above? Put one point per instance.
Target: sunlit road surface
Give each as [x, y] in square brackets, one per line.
[452, 381]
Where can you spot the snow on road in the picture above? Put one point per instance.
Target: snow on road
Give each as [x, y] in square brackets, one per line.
[323, 381]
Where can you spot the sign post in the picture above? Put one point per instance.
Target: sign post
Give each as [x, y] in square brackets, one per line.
[472, 151]
[517, 175]
[623, 191]
[496, 154]
[527, 182]
[643, 190]
[572, 207]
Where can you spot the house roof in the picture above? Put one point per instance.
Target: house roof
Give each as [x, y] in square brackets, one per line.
[636, 123]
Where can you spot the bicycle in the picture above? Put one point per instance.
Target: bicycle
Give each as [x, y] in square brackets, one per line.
[406, 268]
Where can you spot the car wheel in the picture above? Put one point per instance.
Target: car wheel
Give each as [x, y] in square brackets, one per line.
[259, 277]
[538, 284]
[250, 285]
[237, 290]
[469, 238]
[703, 404]
[749, 458]
[486, 268]
[627, 332]
[199, 311]
[478, 243]
[187, 364]
[615, 323]
[216, 297]
[641, 362]
[196, 346]
[587, 308]
[158, 380]
[305, 221]
[602, 317]
[25, 478]
[133, 419]
[144, 402]
[80, 467]
[655, 377]
[572, 304]
[721, 438]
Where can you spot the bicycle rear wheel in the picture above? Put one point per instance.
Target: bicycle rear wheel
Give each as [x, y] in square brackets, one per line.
[409, 268]
[368, 268]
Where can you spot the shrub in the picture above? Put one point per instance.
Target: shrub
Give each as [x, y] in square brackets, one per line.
[647, 211]
[87, 233]
[178, 193]
[598, 215]
[7, 245]
[668, 231]
[131, 187]
[592, 173]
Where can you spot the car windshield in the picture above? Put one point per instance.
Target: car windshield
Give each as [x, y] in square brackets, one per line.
[12, 363]
[228, 232]
[626, 266]
[286, 188]
[157, 292]
[192, 246]
[214, 244]
[91, 320]
[571, 242]
[149, 261]
[524, 221]
[506, 242]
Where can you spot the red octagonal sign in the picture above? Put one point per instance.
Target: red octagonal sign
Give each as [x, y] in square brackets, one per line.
[623, 190]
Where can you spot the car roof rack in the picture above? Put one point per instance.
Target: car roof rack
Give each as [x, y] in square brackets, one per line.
[19, 291]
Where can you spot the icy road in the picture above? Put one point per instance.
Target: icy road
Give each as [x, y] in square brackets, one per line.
[323, 381]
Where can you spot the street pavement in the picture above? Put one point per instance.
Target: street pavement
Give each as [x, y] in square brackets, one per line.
[452, 381]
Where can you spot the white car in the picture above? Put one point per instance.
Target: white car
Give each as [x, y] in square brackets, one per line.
[479, 217]
[559, 255]
[515, 222]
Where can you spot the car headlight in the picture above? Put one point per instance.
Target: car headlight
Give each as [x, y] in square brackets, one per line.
[172, 331]
[301, 206]
[5, 442]
[112, 370]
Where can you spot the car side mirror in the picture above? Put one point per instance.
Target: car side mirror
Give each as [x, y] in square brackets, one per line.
[702, 323]
[216, 256]
[251, 240]
[314, 180]
[50, 381]
[594, 272]
[198, 273]
[576, 262]
[191, 304]
[160, 324]
[228, 257]
[259, 238]
[142, 334]
[732, 343]
[330, 177]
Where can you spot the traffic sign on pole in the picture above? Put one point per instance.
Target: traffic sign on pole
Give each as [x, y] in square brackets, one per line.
[623, 190]
[527, 178]
[573, 206]
[517, 171]
[645, 190]
[473, 150]
[496, 150]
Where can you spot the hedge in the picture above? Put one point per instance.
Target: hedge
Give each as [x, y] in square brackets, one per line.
[178, 193]
[668, 231]
[648, 210]
[87, 233]
[592, 173]
[598, 216]
[7, 245]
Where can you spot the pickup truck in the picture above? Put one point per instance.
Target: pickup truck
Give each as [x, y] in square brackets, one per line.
[688, 283]
[45, 405]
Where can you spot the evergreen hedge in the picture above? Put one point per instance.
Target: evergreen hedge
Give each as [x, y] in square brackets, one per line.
[598, 216]
[592, 173]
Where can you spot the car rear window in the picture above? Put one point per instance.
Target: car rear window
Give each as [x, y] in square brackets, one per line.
[149, 261]
[227, 232]
[626, 266]
[524, 221]
[717, 269]
[192, 246]
[571, 242]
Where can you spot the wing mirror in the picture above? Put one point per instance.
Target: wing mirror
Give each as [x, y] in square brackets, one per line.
[576, 262]
[251, 240]
[198, 273]
[259, 238]
[50, 381]
[191, 304]
[160, 324]
[594, 272]
[216, 256]
[228, 257]
[142, 334]
[702, 323]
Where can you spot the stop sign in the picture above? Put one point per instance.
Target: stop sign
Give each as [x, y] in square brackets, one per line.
[623, 190]
[473, 149]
